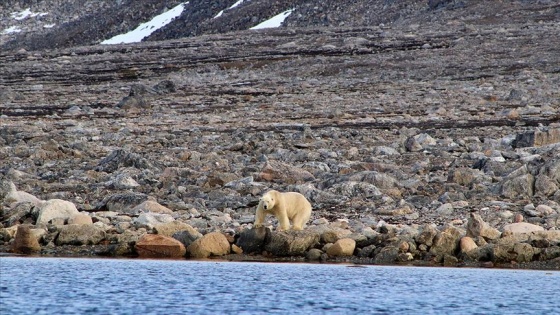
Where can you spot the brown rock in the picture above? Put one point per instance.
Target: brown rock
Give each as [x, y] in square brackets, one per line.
[477, 227]
[427, 235]
[523, 227]
[342, 247]
[80, 219]
[159, 246]
[211, 244]
[236, 249]
[151, 206]
[467, 244]
[280, 172]
[333, 235]
[25, 241]
[170, 228]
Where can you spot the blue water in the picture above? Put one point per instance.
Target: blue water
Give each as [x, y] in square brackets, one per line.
[114, 286]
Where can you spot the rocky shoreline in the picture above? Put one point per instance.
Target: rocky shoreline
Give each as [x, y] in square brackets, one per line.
[433, 145]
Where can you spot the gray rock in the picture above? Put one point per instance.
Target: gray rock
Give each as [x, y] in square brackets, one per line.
[446, 242]
[545, 186]
[354, 189]
[75, 234]
[275, 171]
[387, 255]
[187, 236]
[18, 213]
[445, 209]
[419, 142]
[314, 254]
[121, 158]
[124, 203]
[518, 187]
[291, 243]
[537, 137]
[55, 209]
[426, 235]
[253, 240]
[150, 220]
[477, 227]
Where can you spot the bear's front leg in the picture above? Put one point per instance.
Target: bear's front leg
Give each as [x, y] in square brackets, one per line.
[283, 221]
[259, 216]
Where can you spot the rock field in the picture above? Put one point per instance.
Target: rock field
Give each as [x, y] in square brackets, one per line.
[423, 143]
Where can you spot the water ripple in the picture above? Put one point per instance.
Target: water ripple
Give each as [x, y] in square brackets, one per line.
[114, 286]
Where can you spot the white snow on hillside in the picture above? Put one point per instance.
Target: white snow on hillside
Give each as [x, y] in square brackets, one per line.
[145, 29]
[25, 14]
[274, 21]
[11, 30]
[232, 6]
[21, 16]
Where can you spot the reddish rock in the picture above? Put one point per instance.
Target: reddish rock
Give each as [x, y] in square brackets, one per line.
[159, 246]
[25, 241]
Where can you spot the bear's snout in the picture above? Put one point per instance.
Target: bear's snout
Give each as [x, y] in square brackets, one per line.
[265, 206]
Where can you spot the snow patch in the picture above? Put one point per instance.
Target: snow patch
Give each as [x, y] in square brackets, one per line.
[145, 29]
[232, 6]
[25, 14]
[11, 30]
[274, 21]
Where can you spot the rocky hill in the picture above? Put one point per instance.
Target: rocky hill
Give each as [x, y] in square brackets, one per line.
[401, 121]
[67, 23]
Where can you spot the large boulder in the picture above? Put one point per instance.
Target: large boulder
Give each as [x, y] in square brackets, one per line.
[25, 241]
[211, 244]
[187, 235]
[342, 247]
[172, 227]
[331, 235]
[519, 184]
[280, 172]
[522, 227]
[426, 235]
[80, 219]
[508, 252]
[150, 220]
[75, 234]
[291, 243]
[124, 203]
[253, 240]
[446, 242]
[12, 195]
[467, 244]
[151, 206]
[386, 255]
[419, 142]
[539, 137]
[18, 213]
[476, 227]
[121, 158]
[56, 209]
[159, 246]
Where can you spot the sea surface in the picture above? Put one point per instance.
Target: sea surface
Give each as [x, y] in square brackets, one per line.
[137, 286]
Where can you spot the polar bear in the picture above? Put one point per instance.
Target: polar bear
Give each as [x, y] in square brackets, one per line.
[287, 206]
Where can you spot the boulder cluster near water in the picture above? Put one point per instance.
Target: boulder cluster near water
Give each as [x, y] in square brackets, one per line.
[418, 145]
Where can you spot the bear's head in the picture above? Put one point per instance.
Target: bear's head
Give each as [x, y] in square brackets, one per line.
[268, 200]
